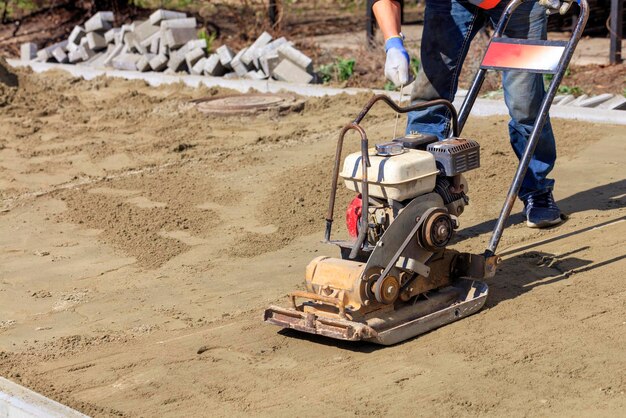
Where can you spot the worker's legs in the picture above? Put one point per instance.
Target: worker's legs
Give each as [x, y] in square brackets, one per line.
[523, 94]
[449, 27]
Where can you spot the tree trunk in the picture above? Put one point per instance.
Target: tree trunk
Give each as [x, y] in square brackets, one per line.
[114, 6]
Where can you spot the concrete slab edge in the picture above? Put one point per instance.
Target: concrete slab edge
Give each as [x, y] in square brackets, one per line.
[18, 402]
[483, 107]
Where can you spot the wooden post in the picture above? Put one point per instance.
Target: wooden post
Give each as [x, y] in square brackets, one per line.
[273, 12]
[616, 26]
[370, 24]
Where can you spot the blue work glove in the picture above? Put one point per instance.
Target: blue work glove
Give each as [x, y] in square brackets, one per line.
[397, 63]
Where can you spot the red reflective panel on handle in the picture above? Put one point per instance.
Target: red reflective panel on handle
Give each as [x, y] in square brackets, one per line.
[488, 4]
[516, 56]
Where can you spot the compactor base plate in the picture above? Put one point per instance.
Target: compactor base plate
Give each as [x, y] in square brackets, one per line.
[443, 306]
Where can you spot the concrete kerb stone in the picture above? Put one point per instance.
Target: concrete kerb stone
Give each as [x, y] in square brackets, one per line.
[82, 53]
[145, 30]
[155, 43]
[116, 51]
[132, 41]
[76, 35]
[60, 55]
[109, 36]
[286, 51]
[176, 61]
[159, 63]
[126, 62]
[177, 37]
[143, 64]
[579, 100]
[239, 66]
[187, 23]
[596, 100]
[565, 100]
[161, 14]
[198, 67]
[616, 103]
[214, 67]
[45, 54]
[250, 55]
[101, 21]
[288, 71]
[226, 55]
[97, 60]
[195, 43]
[483, 107]
[268, 63]
[19, 402]
[255, 75]
[193, 56]
[96, 41]
[28, 51]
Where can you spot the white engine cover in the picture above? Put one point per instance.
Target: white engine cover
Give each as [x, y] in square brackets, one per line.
[397, 177]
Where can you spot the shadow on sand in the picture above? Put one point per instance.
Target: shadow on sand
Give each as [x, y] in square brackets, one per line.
[605, 197]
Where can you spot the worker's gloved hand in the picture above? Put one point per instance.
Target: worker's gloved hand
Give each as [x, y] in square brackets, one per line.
[562, 6]
[397, 64]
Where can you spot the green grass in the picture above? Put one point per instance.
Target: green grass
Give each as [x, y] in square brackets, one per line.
[209, 38]
[575, 90]
[341, 70]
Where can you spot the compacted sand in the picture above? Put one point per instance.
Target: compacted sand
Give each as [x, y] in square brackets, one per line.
[140, 241]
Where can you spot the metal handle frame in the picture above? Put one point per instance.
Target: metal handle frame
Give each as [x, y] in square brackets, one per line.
[533, 139]
[365, 162]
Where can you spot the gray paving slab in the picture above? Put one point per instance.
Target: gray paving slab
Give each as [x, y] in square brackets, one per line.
[287, 51]
[226, 55]
[159, 63]
[60, 55]
[250, 54]
[76, 35]
[286, 70]
[96, 41]
[177, 37]
[101, 21]
[616, 103]
[126, 62]
[145, 30]
[193, 56]
[161, 14]
[214, 67]
[187, 23]
[28, 51]
[595, 100]
[109, 36]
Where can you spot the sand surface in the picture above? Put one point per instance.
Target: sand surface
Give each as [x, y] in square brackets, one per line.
[140, 242]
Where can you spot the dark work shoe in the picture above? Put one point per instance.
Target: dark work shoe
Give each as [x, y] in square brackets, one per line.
[541, 210]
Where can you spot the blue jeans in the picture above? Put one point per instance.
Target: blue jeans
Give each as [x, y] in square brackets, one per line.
[449, 27]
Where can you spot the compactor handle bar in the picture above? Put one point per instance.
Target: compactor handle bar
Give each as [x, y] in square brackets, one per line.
[533, 139]
[365, 163]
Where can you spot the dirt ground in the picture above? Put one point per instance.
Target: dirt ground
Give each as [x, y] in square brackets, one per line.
[140, 242]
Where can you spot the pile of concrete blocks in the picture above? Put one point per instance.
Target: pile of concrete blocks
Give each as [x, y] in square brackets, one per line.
[168, 42]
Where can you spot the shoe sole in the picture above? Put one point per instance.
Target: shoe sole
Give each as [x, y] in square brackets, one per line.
[544, 224]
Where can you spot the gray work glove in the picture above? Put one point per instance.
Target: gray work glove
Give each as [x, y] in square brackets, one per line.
[397, 63]
[552, 6]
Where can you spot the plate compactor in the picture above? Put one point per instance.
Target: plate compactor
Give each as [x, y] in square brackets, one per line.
[396, 278]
